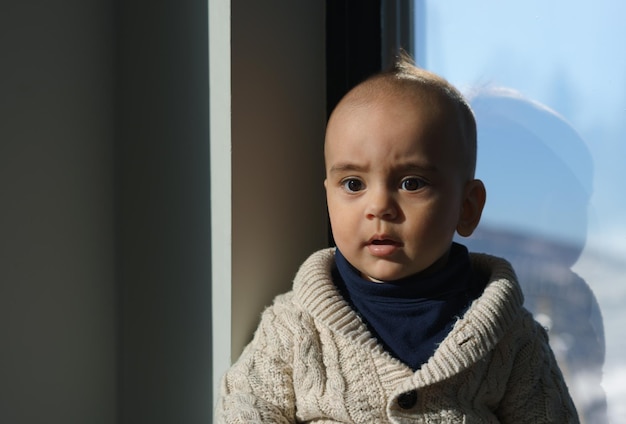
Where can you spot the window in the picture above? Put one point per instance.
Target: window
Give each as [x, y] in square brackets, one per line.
[547, 82]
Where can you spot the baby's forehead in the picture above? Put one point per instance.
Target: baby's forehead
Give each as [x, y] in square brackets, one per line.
[425, 119]
[421, 102]
[448, 115]
[421, 93]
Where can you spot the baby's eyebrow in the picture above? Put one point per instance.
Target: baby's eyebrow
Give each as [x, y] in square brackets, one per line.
[346, 166]
[415, 167]
[407, 167]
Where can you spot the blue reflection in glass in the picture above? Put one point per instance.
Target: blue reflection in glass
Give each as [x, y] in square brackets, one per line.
[554, 215]
[536, 217]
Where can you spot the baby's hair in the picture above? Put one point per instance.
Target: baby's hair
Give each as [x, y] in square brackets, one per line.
[403, 78]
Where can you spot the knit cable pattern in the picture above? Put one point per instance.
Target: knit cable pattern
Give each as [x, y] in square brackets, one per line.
[313, 360]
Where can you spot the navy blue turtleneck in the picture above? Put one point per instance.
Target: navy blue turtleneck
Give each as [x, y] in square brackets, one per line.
[411, 316]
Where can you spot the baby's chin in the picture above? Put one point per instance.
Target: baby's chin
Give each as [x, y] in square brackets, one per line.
[395, 274]
[372, 279]
[386, 277]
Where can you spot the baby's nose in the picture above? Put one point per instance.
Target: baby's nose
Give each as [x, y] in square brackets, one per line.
[381, 205]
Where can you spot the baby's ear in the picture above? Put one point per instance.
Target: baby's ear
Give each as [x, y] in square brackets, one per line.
[474, 198]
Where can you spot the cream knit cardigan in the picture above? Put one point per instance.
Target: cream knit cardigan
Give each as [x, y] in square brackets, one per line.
[313, 360]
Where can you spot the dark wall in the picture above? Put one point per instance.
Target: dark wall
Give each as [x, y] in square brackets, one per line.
[104, 215]
[57, 268]
[162, 214]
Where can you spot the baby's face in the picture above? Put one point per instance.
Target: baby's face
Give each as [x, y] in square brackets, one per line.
[393, 184]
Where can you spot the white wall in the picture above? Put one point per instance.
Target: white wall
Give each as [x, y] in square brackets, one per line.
[268, 114]
[57, 287]
[278, 121]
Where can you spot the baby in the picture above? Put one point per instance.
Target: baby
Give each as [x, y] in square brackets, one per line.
[398, 323]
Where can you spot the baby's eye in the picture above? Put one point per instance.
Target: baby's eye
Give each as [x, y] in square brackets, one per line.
[352, 185]
[412, 184]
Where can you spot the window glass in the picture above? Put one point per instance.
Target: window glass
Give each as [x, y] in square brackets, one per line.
[547, 81]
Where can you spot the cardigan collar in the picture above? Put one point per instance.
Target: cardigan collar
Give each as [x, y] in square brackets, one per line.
[475, 334]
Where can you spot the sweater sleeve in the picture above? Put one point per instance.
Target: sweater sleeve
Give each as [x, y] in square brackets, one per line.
[258, 388]
[536, 391]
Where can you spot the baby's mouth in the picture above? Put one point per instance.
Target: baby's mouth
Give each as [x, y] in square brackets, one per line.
[384, 242]
[382, 246]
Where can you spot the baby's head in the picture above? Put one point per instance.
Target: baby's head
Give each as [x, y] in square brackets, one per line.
[400, 155]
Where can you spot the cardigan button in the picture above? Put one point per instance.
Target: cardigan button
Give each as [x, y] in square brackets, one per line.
[407, 400]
